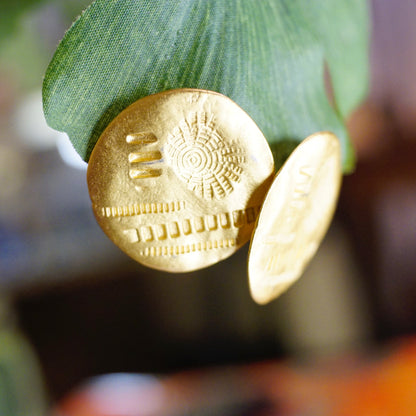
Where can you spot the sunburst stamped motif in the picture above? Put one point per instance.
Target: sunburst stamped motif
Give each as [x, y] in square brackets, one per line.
[202, 159]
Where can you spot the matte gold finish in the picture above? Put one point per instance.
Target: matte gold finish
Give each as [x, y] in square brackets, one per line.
[295, 216]
[177, 179]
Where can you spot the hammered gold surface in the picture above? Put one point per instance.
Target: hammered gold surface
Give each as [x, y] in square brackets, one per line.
[295, 216]
[177, 179]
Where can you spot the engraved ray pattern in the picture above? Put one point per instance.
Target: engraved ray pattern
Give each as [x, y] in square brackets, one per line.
[199, 157]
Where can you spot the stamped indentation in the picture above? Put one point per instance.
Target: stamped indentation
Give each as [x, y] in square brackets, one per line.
[174, 231]
[201, 158]
[145, 157]
[186, 226]
[141, 138]
[224, 219]
[146, 233]
[144, 173]
[161, 232]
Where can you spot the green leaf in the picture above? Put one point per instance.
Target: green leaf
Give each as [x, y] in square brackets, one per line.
[267, 55]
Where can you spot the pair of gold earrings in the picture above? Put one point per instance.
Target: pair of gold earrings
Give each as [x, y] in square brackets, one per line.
[182, 179]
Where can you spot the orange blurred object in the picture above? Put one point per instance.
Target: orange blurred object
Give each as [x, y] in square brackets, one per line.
[342, 387]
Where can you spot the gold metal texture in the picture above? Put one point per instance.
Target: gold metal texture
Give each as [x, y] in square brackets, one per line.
[177, 179]
[295, 216]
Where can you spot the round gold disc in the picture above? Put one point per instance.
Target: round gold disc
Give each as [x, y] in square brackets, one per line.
[177, 179]
[295, 216]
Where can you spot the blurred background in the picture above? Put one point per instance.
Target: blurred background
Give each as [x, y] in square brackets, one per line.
[73, 307]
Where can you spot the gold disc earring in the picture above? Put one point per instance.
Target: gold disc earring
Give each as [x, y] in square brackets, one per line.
[177, 179]
[295, 216]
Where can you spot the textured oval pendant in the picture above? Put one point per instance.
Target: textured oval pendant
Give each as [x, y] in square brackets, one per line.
[295, 216]
[177, 179]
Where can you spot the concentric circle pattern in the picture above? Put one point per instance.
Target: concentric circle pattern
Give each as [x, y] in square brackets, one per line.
[202, 159]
